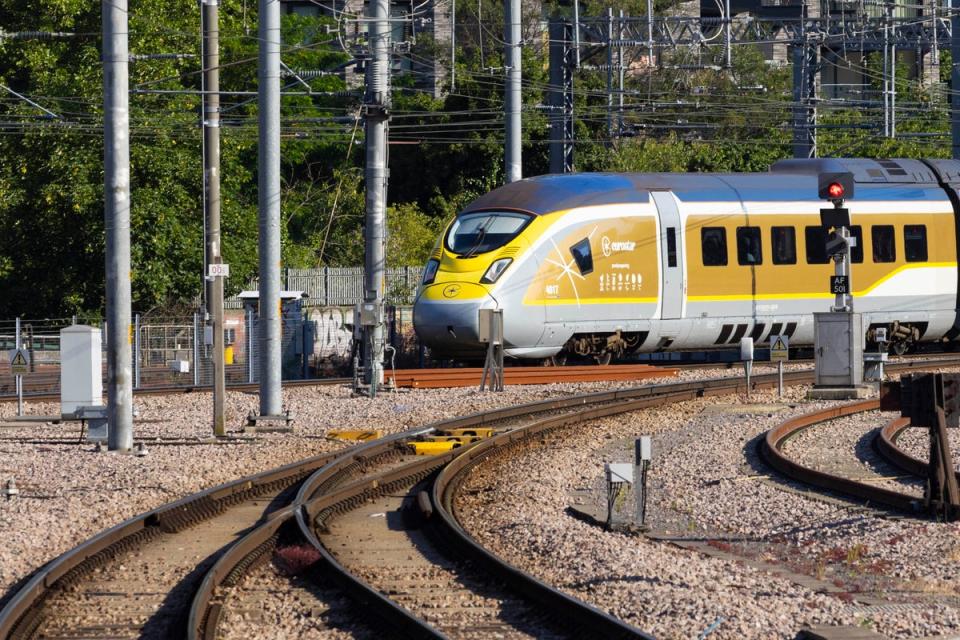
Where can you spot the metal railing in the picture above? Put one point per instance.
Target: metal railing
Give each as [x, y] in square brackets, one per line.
[342, 286]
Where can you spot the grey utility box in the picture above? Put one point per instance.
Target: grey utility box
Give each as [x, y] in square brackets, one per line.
[838, 342]
[81, 373]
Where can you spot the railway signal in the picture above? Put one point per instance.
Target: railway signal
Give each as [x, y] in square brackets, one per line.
[838, 334]
[835, 187]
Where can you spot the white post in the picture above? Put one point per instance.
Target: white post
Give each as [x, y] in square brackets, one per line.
[19, 378]
[746, 354]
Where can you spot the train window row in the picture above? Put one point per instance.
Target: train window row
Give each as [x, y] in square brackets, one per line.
[783, 241]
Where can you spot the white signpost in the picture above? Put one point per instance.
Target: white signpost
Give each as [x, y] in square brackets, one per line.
[746, 355]
[779, 353]
[19, 365]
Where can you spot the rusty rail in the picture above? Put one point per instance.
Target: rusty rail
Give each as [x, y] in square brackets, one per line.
[20, 613]
[774, 440]
[256, 545]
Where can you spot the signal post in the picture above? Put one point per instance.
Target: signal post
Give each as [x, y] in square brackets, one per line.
[838, 333]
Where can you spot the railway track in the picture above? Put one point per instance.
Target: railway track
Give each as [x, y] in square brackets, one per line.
[242, 522]
[45, 387]
[863, 488]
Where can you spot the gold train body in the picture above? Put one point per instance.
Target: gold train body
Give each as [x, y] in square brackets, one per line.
[606, 264]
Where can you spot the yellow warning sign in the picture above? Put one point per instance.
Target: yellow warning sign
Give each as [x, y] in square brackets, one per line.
[19, 361]
[779, 348]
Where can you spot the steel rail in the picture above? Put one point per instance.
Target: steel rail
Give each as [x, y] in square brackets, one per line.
[771, 451]
[586, 620]
[20, 613]
[886, 445]
[912, 362]
[172, 389]
[248, 551]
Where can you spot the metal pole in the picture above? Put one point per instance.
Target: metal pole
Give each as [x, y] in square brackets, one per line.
[886, 71]
[650, 31]
[620, 76]
[268, 102]
[453, 47]
[196, 350]
[779, 378]
[19, 378]
[955, 82]
[609, 76]
[511, 36]
[576, 32]
[211, 201]
[377, 102]
[893, 88]
[556, 62]
[116, 160]
[250, 343]
[728, 56]
[136, 351]
[844, 301]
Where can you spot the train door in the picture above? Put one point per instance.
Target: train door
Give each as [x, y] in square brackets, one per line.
[672, 280]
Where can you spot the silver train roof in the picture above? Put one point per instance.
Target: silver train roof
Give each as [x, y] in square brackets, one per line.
[786, 180]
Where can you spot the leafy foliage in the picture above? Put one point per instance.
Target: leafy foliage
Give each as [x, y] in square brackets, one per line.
[445, 149]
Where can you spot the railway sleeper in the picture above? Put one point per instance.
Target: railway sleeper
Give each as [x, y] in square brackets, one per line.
[259, 555]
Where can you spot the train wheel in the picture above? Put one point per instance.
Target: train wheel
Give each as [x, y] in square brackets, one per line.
[604, 358]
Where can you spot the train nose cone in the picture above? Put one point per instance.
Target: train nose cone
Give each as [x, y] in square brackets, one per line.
[446, 318]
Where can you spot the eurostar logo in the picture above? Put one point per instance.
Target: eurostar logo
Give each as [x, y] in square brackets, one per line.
[451, 291]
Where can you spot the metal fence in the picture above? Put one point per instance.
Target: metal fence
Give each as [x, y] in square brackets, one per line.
[342, 286]
[176, 351]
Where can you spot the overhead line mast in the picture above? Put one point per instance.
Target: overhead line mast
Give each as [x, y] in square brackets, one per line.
[116, 168]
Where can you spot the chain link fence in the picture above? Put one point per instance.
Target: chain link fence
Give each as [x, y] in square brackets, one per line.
[176, 350]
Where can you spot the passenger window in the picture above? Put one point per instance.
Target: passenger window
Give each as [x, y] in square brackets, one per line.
[582, 256]
[856, 253]
[915, 242]
[784, 241]
[816, 238]
[749, 250]
[884, 247]
[713, 241]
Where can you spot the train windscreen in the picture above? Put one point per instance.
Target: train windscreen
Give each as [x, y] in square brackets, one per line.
[475, 233]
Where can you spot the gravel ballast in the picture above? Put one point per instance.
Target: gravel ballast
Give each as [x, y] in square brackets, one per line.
[713, 487]
[709, 487]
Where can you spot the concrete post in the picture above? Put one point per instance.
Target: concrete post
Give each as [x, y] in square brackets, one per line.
[268, 102]
[375, 234]
[211, 201]
[116, 160]
[512, 96]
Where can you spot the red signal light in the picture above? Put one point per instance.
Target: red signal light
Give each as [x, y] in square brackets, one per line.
[835, 190]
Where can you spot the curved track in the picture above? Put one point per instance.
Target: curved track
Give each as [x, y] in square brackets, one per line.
[771, 449]
[243, 520]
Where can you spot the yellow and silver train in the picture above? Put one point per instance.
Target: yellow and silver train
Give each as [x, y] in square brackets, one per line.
[602, 265]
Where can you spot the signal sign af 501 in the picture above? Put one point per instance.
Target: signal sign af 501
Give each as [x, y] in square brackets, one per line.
[839, 284]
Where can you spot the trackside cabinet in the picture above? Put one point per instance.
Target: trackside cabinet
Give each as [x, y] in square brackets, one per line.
[838, 341]
[81, 373]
